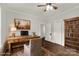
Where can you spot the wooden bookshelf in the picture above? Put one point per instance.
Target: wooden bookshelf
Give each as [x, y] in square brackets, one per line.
[72, 32]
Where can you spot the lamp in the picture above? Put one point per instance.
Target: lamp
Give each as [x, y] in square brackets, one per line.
[48, 7]
[13, 29]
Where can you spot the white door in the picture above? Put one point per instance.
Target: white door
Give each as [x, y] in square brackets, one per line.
[49, 33]
[58, 32]
[42, 30]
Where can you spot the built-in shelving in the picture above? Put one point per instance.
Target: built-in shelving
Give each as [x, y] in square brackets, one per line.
[72, 32]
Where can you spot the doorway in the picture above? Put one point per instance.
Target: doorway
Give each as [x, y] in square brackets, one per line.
[47, 31]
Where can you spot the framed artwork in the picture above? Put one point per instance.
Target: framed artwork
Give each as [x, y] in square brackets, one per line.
[22, 24]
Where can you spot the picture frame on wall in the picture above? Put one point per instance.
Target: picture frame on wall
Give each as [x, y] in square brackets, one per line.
[22, 24]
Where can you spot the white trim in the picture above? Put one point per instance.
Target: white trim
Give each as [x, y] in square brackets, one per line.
[0, 27]
[0, 46]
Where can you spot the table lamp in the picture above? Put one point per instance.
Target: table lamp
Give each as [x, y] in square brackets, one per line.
[13, 30]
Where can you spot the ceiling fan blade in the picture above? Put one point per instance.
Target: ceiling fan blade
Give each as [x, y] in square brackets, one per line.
[55, 7]
[40, 5]
[48, 3]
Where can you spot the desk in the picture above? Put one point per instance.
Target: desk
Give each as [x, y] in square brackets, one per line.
[18, 39]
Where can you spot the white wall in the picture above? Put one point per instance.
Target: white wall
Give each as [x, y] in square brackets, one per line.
[57, 31]
[35, 20]
[3, 26]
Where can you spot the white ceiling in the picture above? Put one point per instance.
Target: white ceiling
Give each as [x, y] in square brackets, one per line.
[32, 8]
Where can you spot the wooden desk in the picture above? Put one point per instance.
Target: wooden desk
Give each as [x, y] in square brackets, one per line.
[18, 39]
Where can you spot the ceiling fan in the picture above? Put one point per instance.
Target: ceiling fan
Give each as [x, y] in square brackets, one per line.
[48, 6]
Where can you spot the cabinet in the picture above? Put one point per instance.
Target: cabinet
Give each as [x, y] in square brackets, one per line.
[72, 32]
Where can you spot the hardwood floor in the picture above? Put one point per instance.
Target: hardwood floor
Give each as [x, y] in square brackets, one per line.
[58, 50]
[50, 49]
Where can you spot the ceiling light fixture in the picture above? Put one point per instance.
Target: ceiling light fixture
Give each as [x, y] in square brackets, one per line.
[48, 6]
